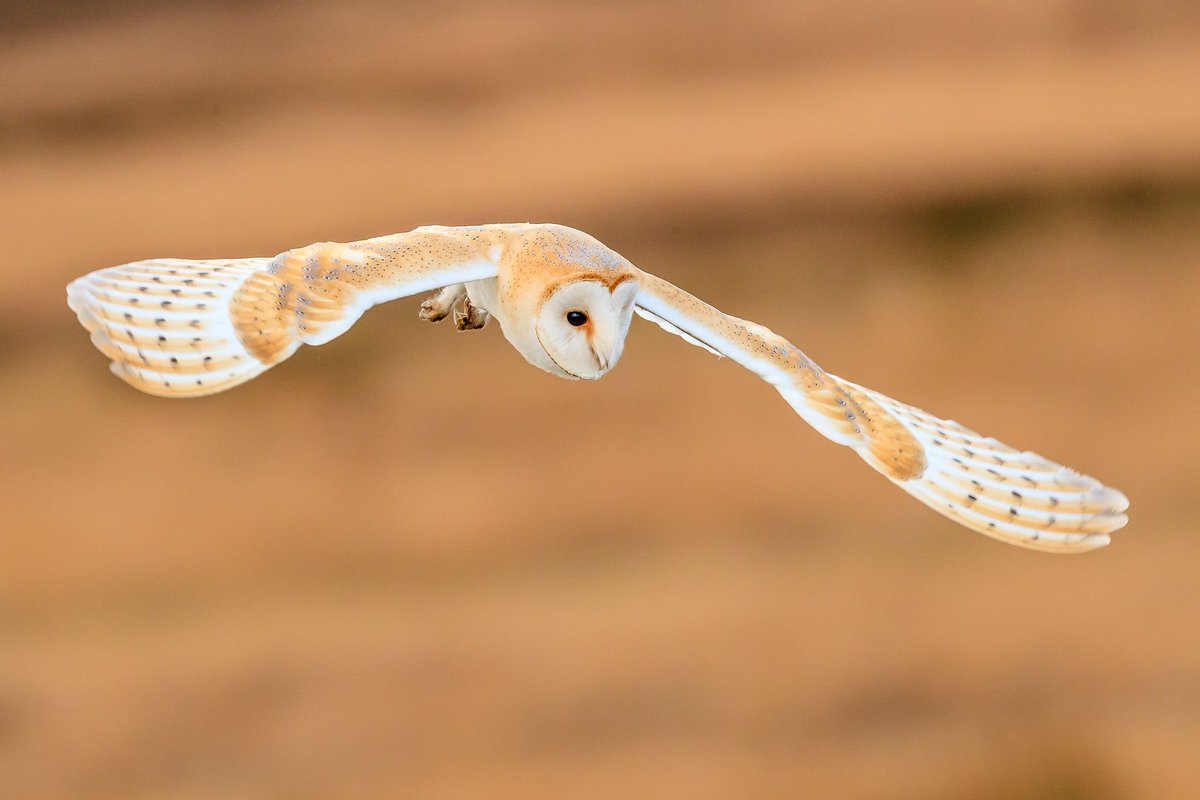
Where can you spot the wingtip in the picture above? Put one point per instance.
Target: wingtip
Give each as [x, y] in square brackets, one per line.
[1094, 541]
[1118, 521]
[77, 296]
[73, 295]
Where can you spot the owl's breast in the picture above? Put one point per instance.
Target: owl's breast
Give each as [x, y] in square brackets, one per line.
[516, 323]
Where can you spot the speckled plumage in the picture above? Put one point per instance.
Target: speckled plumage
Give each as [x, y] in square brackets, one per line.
[181, 328]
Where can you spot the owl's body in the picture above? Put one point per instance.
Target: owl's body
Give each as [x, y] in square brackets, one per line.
[182, 328]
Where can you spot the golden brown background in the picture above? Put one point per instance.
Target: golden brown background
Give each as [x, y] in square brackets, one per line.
[406, 565]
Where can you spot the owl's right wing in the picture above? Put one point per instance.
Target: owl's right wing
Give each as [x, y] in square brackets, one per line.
[1017, 497]
[183, 328]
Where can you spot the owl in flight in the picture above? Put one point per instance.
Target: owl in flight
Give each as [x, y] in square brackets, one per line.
[183, 328]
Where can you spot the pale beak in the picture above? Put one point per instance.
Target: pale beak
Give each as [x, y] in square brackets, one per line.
[601, 360]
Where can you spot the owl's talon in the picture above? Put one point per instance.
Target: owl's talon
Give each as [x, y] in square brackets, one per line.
[439, 304]
[432, 311]
[471, 317]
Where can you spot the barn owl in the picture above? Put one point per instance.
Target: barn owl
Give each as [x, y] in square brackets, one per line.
[185, 328]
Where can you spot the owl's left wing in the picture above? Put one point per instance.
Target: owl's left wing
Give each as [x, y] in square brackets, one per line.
[184, 328]
[1017, 497]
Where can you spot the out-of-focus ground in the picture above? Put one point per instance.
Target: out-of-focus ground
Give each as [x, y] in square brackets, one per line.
[405, 564]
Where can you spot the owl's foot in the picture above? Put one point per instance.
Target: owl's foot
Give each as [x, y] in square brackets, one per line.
[439, 305]
[471, 317]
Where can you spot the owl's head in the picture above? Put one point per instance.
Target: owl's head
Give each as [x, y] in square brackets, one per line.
[582, 321]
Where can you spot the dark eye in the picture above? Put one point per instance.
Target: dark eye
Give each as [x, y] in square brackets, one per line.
[577, 318]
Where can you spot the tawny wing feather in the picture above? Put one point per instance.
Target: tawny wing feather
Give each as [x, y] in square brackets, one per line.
[1017, 497]
[183, 328]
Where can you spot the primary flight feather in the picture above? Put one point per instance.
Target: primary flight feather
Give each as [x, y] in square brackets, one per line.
[184, 328]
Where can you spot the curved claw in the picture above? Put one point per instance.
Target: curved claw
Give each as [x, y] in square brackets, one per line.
[439, 304]
[471, 317]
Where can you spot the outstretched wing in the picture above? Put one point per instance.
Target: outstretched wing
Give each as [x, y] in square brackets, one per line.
[181, 328]
[1017, 497]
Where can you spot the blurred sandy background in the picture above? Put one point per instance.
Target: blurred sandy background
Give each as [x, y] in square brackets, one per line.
[407, 565]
